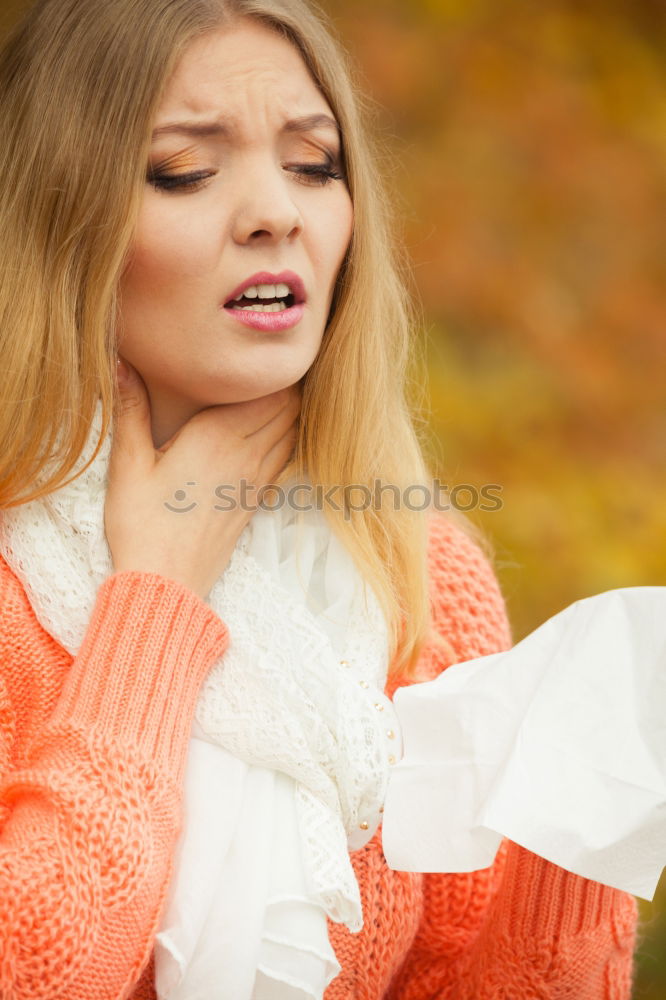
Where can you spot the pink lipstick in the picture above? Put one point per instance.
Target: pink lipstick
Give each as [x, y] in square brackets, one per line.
[267, 301]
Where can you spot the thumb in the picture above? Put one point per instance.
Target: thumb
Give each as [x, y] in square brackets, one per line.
[132, 429]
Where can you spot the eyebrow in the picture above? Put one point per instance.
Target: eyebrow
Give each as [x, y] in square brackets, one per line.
[306, 123]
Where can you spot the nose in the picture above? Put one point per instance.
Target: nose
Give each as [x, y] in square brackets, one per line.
[265, 209]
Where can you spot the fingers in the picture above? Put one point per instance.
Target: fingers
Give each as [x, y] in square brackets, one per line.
[277, 456]
[248, 418]
[279, 423]
[132, 437]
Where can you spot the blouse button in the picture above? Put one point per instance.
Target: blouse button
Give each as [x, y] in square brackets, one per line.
[363, 684]
[344, 663]
[379, 707]
[364, 825]
[390, 734]
[391, 759]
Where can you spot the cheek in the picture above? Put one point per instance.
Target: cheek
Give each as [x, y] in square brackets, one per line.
[169, 246]
[336, 234]
[346, 226]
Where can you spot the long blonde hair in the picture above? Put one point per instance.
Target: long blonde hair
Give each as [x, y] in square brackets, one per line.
[80, 84]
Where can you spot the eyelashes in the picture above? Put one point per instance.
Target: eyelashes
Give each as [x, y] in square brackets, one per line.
[318, 174]
[170, 182]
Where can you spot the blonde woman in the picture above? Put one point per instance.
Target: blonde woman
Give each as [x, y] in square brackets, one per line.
[196, 730]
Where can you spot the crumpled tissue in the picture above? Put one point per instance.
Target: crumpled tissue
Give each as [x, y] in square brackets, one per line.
[558, 744]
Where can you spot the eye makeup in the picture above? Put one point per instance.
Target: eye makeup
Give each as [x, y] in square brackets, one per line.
[162, 176]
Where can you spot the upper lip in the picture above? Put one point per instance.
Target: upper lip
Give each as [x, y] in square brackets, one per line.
[296, 286]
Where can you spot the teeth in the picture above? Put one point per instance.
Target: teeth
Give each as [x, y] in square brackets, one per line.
[279, 291]
[265, 308]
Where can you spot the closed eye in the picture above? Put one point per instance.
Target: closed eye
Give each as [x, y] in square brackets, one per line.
[184, 182]
[307, 173]
[315, 173]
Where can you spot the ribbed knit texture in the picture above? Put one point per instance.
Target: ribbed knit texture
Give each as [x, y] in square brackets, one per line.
[92, 754]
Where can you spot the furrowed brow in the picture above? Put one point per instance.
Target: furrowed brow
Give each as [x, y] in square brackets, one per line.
[199, 129]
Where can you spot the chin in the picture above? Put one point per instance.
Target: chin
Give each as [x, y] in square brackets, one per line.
[246, 394]
[265, 387]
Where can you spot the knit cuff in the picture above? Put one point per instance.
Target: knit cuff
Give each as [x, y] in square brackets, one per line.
[538, 900]
[148, 647]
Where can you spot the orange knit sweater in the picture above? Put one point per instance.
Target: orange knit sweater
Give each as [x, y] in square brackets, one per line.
[92, 754]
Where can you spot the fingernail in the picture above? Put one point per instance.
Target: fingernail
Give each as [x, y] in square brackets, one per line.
[123, 372]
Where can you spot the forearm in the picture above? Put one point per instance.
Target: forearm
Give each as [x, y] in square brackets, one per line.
[91, 805]
[552, 934]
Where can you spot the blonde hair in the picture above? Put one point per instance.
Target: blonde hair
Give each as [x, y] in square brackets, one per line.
[80, 84]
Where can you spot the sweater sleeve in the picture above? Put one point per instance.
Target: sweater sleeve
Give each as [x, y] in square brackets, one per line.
[524, 927]
[90, 795]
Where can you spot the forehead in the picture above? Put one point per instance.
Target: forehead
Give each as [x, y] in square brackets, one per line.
[232, 68]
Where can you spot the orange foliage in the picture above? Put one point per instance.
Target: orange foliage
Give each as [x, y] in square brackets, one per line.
[531, 143]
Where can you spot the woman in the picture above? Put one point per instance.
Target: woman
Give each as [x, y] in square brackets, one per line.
[189, 185]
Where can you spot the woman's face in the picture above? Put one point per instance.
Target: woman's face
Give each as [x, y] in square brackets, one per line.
[267, 199]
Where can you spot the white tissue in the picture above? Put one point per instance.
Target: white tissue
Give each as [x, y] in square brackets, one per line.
[558, 744]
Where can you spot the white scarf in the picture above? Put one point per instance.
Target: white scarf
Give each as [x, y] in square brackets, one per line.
[292, 737]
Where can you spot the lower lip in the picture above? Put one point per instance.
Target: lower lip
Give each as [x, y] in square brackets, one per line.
[269, 321]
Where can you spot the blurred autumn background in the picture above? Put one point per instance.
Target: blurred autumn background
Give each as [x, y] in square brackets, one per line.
[529, 144]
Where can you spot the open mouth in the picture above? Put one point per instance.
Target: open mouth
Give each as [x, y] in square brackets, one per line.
[268, 302]
[260, 304]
